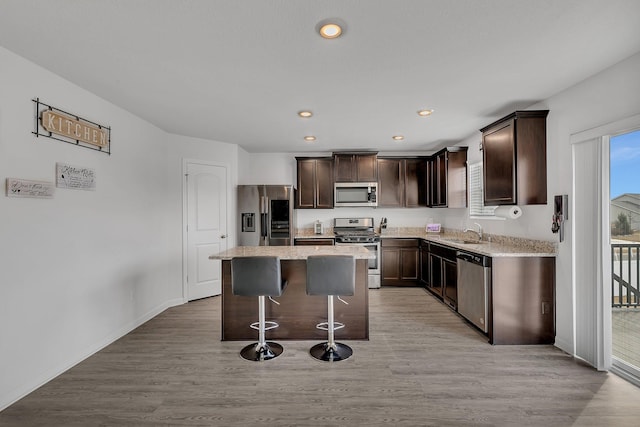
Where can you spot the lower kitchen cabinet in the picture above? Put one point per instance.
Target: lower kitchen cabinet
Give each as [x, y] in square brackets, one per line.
[424, 263]
[520, 292]
[522, 304]
[443, 271]
[400, 262]
[450, 282]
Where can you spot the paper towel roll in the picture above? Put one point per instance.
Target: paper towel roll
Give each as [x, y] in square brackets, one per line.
[509, 212]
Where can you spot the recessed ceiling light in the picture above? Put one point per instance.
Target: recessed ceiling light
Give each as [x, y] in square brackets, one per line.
[330, 31]
[397, 137]
[425, 113]
[309, 138]
[331, 28]
[305, 114]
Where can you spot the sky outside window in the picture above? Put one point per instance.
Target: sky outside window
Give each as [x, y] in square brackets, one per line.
[625, 164]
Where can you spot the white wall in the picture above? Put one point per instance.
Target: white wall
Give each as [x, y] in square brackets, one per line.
[81, 269]
[267, 168]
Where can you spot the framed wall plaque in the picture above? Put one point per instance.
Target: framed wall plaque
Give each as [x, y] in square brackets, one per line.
[75, 177]
[17, 187]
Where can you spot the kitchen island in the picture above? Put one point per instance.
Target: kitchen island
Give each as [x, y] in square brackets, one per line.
[298, 313]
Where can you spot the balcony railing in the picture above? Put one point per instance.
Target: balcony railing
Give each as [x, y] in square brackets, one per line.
[625, 272]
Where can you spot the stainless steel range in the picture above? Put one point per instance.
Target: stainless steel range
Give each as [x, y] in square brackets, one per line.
[361, 232]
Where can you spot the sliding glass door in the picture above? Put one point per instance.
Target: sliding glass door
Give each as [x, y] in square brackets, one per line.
[624, 219]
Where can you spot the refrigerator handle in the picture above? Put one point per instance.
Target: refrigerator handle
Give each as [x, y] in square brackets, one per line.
[263, 225]
[264, 217]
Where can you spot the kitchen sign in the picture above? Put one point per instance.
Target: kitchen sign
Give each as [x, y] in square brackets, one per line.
[63, 126]
[67, 126]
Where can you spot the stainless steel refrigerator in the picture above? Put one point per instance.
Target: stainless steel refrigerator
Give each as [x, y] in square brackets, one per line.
[266, 216]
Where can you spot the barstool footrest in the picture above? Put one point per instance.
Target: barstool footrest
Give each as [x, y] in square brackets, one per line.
[326, 353]
[325, 326]
[267, 325]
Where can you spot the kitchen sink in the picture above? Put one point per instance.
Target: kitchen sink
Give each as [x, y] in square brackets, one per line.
[465, 241]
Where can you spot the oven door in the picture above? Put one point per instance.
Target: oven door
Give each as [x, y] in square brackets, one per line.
[374, 263]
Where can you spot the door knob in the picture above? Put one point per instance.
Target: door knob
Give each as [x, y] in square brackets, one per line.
[223, 236]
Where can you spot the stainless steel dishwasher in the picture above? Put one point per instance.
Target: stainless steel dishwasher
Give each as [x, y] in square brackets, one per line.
[474, 279]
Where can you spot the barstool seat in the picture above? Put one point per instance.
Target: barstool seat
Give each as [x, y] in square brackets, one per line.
[258, 276]
[331, 275]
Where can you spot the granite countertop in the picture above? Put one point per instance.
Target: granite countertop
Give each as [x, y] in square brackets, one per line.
[293, 252]
[308, 233]
[315, 236]
[499, 246]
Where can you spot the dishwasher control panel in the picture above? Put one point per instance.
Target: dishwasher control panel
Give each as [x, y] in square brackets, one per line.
[474, 258]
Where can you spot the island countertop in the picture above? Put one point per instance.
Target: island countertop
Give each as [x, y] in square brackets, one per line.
[293, 252]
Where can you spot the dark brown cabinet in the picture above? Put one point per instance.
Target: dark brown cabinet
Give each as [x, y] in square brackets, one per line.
[448, 178]
[312, 241]
[390, 192]
[521, 293]
[402, 182]
[514, 155]
[443, 270]
[400, 262]
[522, 304]
[424, 264]
[315, 183]
[355, 167]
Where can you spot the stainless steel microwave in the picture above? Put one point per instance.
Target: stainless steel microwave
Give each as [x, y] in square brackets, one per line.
[354, 194]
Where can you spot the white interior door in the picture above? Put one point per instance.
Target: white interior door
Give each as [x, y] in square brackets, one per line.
[206, 228]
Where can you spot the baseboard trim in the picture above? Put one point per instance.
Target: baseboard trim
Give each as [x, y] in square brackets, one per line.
[22, 392]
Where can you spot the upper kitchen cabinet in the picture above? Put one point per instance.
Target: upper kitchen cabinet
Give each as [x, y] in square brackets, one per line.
[514, 153]
[448, 178]
[402, 182]
[355, 167]
[315, 183]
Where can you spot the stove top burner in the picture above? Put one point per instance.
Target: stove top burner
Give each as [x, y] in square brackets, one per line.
[354, 233]
[356, 236]
[355, 230]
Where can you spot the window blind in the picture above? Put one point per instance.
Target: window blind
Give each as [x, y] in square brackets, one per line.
[476, 193]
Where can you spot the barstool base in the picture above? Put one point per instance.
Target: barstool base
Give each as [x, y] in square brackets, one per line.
[269, 351]
[325, 353]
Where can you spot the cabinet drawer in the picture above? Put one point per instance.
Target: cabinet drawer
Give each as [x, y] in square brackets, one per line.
[314, 242]
[442, 251]
[403, 243]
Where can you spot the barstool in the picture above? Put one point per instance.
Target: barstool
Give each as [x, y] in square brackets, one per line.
[331, 275]
[258, 276]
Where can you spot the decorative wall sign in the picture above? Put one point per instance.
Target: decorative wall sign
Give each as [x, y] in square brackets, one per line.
[25, 188]
[75, 177]
[66, 127]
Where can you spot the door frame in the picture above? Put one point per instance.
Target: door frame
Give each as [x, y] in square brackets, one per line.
[185, 265]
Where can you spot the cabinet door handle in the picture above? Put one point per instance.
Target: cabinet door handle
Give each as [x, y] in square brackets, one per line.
[223, 236]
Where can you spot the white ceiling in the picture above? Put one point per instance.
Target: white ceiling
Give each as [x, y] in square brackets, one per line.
[238, 71]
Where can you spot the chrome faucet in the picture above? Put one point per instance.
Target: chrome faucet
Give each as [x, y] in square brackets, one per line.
[478, 231]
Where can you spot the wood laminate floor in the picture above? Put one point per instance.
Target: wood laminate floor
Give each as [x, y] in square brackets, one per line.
[423, 366]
